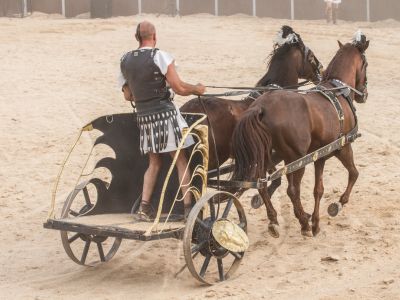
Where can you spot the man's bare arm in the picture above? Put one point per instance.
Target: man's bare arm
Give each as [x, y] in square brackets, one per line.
[180, 87]
[127, 93]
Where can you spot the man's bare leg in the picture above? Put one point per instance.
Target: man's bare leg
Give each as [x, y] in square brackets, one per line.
[184, 178]
[150, 180]
[335, 8]
[328, 12]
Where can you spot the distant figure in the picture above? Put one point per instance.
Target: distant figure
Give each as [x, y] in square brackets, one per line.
[332, 7]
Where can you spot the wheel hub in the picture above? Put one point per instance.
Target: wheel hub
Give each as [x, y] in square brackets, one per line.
[93, 238]
[204, 235]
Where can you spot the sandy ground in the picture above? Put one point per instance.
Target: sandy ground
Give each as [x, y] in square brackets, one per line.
[57, 75]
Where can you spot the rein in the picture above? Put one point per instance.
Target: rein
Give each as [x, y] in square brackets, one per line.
[213, 139]
[258, 88]
[247, 90]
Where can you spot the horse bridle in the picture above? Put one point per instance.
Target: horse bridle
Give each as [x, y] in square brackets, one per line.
[312, 61]
[363, 93]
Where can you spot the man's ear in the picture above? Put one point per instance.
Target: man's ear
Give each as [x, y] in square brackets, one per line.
[340, 44]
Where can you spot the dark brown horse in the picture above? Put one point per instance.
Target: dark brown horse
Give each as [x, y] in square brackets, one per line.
[294, 124]
[288, 62]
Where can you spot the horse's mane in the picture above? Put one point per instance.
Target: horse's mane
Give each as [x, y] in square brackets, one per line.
[281, 47]
[330, 71]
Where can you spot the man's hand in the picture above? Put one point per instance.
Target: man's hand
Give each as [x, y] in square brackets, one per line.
[200, 89]
[180, 87]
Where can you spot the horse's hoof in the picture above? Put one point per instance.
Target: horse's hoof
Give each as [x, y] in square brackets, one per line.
[273, 230]
[334, 209]
[256, 201]
[315, 231]
[307, 233]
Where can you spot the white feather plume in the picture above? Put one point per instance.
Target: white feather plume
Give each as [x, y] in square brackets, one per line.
[289, 39]
[358, 36]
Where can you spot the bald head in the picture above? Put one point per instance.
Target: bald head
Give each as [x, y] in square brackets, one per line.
[145, 31]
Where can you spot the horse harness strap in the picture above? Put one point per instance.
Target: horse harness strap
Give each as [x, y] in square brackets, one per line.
[213, 139]
[345, 91]
[333, 99]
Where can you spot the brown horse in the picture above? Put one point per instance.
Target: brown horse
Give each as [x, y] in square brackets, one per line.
[294, 124]
[288, 62]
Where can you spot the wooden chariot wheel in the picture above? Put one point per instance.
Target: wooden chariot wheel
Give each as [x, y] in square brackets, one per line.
[78, 245]
[205, 258]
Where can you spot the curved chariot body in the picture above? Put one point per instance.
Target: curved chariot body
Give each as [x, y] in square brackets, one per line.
[98, 213]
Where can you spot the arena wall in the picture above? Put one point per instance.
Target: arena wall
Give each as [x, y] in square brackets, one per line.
[76, 7]
[354, 10]
[273, 9]
[309, 9]
[167, 7]
[10, 8]
[231, 7]
[47, 6]
[385, 9]
[188, 7]
[350, 10]
[124, 8]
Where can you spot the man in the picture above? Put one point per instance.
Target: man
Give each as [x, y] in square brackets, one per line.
[332, 7]
[146, 74]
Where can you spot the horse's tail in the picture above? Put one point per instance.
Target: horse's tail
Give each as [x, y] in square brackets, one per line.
[251, 145]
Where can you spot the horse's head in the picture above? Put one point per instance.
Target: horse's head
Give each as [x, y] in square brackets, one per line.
[350, 66]
[361, 43]
[309, 67]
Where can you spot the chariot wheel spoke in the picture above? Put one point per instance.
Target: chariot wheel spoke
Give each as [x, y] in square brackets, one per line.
[227, 209]
[73, 238]
[87, 197]
[198, 247]
[220, 269]
[236, 255]
[85, 252]
[212, 210]
[101, 251]
[205, 265]
[201, 223]
[198, 237]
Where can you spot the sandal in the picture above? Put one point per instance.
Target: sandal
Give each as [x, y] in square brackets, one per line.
[146, 212]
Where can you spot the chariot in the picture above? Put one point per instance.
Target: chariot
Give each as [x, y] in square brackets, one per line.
[98, 213]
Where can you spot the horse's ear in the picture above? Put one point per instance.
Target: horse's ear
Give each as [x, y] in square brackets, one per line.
[340, 44]
[366, 45]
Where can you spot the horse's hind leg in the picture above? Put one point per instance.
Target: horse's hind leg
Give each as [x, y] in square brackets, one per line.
[293, 191]
[257, 199]
[273, 226]
[318, 192]
[345, 155]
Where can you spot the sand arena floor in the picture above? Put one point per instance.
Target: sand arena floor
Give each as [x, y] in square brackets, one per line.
[57, 75]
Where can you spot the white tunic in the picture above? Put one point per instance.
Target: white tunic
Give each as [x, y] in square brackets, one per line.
[163, 59]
